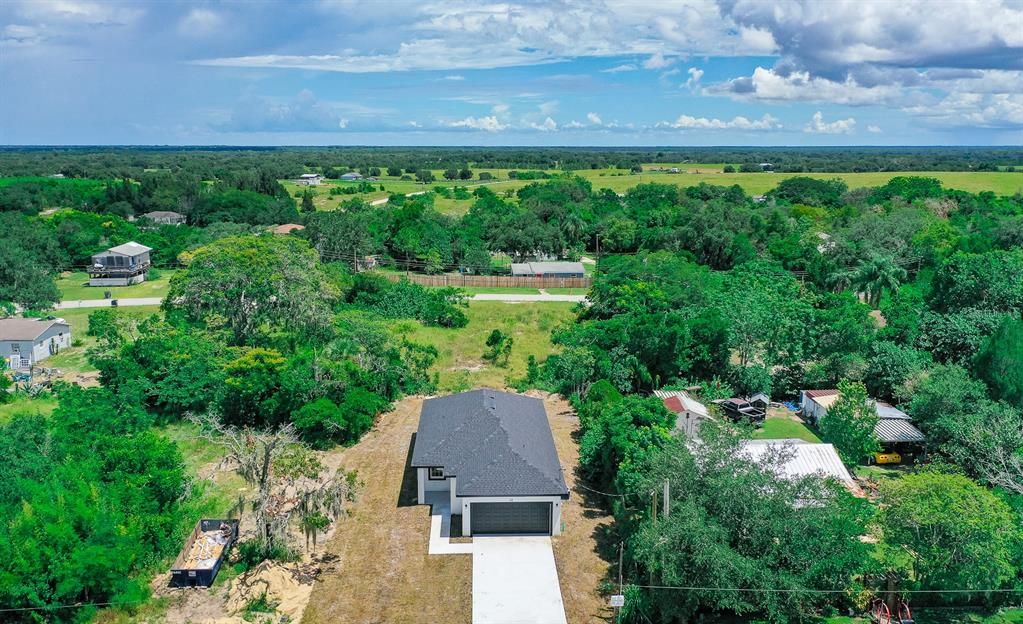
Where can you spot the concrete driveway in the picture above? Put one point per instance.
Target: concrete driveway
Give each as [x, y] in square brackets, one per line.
[515, 581]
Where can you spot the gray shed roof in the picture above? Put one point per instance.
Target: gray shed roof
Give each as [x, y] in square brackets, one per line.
[495, 444]
[127, 249]
[23, 329]
[897, 430]
[539, 268]
[163, 214]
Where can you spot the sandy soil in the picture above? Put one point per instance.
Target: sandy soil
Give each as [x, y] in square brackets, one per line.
[384, 573]
[580, 566]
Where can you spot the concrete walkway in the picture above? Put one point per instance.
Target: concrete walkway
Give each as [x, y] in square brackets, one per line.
[546, 297]
[440, 530]
[105, 303]
[515, 581]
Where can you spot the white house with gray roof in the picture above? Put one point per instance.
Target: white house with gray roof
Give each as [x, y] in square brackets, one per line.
[492, 455]
[27, 341]
[122, 265]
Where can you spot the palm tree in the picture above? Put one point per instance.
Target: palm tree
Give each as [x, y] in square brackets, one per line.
[878, 274]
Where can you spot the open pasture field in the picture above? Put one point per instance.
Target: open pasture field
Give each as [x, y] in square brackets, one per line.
[460, 364]
[620, 181]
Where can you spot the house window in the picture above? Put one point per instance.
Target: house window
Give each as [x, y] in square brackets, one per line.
[436, 474]
[15, 347]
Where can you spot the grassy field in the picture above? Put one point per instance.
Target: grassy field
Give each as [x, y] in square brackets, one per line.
[460, 365]
[780, 426]
[620, 181]
[75, 286]
[41, 405]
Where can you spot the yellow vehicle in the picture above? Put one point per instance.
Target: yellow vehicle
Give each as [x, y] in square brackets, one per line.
[887, 458]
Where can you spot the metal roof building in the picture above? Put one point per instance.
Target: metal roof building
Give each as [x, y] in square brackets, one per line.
[807, 458]
[548, 269]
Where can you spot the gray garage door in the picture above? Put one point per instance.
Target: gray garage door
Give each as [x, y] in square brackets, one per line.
[511, 518]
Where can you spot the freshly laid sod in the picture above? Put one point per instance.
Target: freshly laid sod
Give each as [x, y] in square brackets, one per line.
[460, 365]
[75, 286]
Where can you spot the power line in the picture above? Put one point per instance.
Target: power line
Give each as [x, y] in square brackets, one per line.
[77, 605]
[789, 590]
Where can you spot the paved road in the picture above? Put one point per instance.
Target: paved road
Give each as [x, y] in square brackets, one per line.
[151, 301]
[528, 298]
[105, 303]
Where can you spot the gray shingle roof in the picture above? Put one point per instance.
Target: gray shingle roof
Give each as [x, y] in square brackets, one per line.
[24, 329]
[495, 444]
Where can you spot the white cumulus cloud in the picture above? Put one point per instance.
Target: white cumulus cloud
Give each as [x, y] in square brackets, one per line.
[817, 125]
[695, 74]
[594, 119]
[487, 124]
[688, 122]
[547, 125]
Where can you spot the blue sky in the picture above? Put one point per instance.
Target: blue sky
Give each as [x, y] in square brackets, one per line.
[568, 72]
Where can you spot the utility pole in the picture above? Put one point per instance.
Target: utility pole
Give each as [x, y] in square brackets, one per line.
[667, 495]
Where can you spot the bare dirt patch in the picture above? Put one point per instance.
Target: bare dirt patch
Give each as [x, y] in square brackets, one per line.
[577, 551]
[384, 573]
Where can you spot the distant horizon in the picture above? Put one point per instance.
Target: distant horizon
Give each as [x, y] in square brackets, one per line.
[509, 146]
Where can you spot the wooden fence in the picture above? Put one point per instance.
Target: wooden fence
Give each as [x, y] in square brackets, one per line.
[490, 281]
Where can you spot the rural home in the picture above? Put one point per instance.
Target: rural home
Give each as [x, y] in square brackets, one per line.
[25, 341]
[309, 179]
[894, 430]
[492, 455]
[548, 269]
[690, 413]
[122, 265]
[803, 459]
[165, 217]
[351, 176]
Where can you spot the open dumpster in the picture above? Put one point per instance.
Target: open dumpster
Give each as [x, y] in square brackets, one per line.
[204, 552]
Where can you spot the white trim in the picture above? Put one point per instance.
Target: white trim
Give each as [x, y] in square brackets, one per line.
[466, 504]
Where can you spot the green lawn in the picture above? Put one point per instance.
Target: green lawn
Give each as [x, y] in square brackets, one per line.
[460, 365]
[945, 616]
[73, 360]
[778, 427]
[42, 405]
[75, 286]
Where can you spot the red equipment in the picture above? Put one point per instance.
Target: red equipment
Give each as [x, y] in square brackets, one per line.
[881, 614]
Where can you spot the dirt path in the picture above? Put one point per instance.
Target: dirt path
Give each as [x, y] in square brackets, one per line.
[580, 567]
[384, 574]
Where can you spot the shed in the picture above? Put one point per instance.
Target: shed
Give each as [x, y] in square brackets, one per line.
[120, 266]
[309, 179]
[690, 413]
[351, 176]
[548, 269]
[27, 341]
[491, 455]
[807, 458]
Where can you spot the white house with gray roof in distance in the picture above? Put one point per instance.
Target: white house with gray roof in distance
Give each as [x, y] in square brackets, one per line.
[122, 265]
[26, 341]
[490, 456]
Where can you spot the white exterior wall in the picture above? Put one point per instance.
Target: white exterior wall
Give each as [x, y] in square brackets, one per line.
[426, 484]
[39, 349]
[466, 503]
[812, 410]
